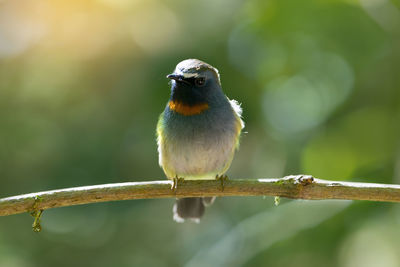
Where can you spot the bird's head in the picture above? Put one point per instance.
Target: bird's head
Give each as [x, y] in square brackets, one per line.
[194, 82]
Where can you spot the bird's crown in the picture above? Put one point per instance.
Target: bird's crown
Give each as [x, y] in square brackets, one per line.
[192, 68]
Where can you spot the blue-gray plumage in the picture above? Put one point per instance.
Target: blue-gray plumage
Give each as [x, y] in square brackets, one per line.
[198, 131]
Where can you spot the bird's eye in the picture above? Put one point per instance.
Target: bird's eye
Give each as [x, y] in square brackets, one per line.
[200, 81]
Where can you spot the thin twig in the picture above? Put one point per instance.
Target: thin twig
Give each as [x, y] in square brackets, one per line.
[296, 187]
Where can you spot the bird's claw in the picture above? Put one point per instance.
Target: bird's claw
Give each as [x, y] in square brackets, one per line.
[175, 181]
[222, 179]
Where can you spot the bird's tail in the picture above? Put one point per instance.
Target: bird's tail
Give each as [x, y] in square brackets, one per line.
[191, 208]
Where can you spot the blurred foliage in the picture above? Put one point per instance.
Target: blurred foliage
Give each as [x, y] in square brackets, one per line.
[81, 87]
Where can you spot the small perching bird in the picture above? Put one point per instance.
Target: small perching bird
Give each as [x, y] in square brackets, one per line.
[197, 133]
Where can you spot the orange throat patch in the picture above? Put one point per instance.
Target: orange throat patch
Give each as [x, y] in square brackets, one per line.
[186, 109]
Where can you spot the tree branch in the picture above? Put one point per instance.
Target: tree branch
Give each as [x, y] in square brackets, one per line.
[296, 187]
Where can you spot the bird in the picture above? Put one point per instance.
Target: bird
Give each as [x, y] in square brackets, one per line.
[197, 133]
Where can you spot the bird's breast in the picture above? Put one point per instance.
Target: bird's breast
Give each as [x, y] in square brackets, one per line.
[185, 109]
[199, 146]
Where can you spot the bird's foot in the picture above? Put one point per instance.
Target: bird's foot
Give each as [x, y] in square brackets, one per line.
[175, 181]
[222, 179]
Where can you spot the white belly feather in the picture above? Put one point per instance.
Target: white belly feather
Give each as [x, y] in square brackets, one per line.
[199, 158]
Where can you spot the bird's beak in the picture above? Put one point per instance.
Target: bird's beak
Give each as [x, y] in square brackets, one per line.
[178, 78]
[175, 77]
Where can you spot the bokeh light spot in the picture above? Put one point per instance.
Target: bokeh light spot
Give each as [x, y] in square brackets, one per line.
[301, 102]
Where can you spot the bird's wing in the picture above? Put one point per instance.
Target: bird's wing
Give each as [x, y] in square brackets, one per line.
[238, 114]
[160, 138]
[238, 111]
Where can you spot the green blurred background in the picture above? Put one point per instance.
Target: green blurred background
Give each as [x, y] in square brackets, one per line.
[82, 84]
